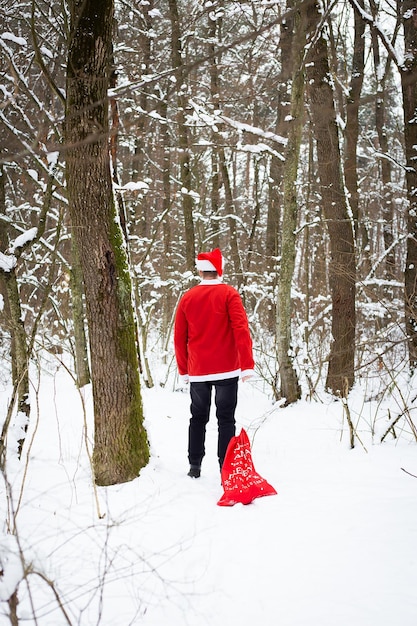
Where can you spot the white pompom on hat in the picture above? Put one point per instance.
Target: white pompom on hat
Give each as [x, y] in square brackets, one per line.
[210, 261]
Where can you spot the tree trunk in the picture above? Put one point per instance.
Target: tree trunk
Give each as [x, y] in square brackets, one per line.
[290, 388]
[352, 117]
[121, 447]
[231, 212]
[214, 27]
[14, 320]
[342, 267]
[184, 150]
[82, 369]
[409, 91]
[386, 166]
[275, 199]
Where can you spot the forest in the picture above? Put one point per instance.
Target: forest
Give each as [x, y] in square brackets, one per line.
[137, 134]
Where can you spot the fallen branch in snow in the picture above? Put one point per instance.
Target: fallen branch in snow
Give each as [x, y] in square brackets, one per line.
[409, 473]
[391, 427]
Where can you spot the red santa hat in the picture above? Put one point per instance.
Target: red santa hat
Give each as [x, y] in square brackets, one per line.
[210, 261]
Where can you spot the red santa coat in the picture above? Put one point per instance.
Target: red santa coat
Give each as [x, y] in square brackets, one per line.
[211, 334]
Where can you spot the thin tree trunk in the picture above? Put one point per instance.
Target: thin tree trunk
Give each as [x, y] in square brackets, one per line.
[121, 447]
[342, 267]
[13, 603]
[255, 218]
[381, 128]
[275, 198]
[183, 142]
[352, 117]
[214, 27]
[15, 323]
[168, 270]
[142, 218]
[409, 91]
[230, 210]
[290, 388]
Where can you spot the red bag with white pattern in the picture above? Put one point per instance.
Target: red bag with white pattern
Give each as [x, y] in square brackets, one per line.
[241, 483]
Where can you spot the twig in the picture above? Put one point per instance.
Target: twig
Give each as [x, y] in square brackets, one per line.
[409, 473]
[352, 429]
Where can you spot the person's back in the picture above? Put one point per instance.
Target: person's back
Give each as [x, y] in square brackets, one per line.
[213, 322]
[213, 347]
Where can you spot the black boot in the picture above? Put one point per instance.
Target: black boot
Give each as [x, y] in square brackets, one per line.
[194, 472]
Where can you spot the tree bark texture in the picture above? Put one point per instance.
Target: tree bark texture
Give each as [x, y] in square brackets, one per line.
[342, 266]
[289, 386]
[231, 212]
[120, 442]
[82, 368]
[386, 165]
[214, 28]
[14, 320]
[272, 240]
[183, 140]
[352, 116]
[409, 91]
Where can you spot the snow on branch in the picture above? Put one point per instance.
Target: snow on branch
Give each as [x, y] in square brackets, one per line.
[259, 148]
[20, 41]
[133, 186]
[23, 239]
[374, 25]
[216, 118]
[254, 130]
[7, 262]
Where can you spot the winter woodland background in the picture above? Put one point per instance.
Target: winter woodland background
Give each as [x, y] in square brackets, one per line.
[283, 132]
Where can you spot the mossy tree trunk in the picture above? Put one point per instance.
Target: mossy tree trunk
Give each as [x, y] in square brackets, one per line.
[120, 441]
[289, 386]
[342, 266]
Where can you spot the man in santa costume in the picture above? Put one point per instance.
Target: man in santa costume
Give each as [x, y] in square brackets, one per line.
[213, 348]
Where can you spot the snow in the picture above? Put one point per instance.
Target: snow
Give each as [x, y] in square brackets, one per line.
[10, 565]
[20, 41]
[7, 262]
[138, 185]
[22, 239]
[188, 192]
[52, 157]
[335, 546]
[259, 148]
[155, 13]
[46, 52]
[254, 130]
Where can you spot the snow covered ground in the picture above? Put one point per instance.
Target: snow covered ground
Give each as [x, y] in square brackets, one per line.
[336, 546]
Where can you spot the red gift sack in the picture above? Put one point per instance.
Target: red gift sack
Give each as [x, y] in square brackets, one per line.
[241, 483]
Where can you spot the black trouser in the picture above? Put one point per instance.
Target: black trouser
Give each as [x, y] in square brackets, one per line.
[225, 400]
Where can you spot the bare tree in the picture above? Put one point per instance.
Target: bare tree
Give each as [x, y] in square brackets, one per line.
[13, 316]
[352, 117]
[342, 266]
[183, 140]
[290, 389]
[409, 90]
